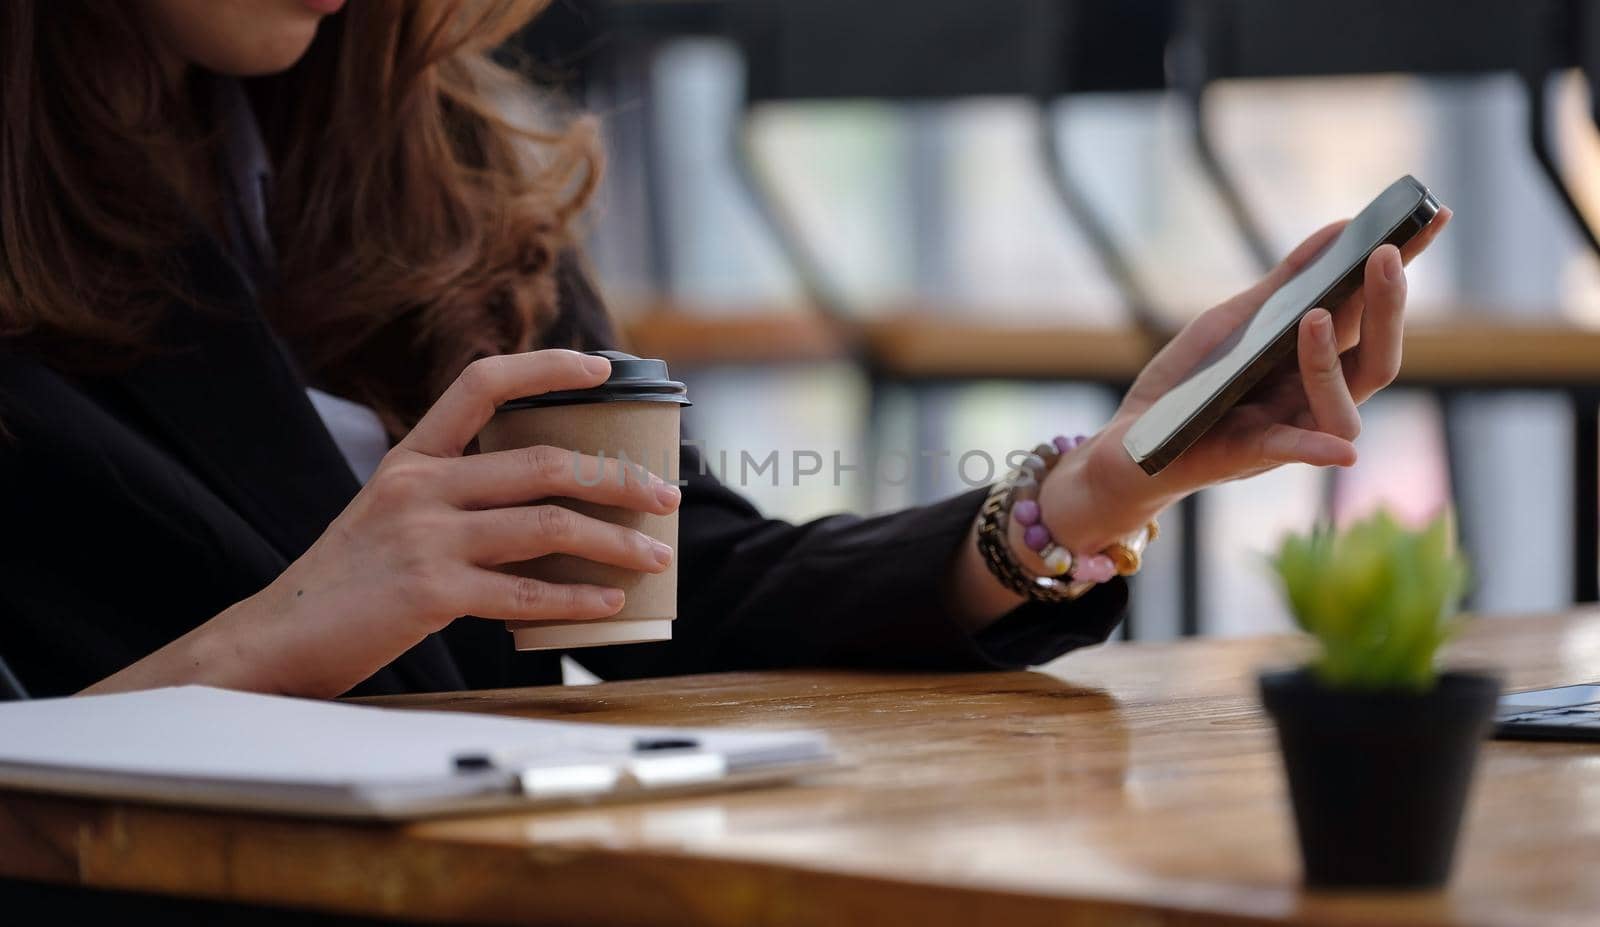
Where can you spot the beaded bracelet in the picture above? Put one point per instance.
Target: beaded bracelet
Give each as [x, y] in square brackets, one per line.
[1018, 497]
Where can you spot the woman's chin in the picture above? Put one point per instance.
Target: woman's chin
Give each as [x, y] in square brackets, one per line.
[239, 38]
[272, 55]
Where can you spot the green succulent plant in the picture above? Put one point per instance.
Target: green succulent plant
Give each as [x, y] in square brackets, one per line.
[1379, 598]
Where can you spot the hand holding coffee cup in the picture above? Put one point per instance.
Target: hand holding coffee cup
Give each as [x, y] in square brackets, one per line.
[424, 542]
[623, 431]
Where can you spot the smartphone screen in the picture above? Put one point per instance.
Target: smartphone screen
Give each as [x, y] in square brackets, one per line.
[1178, 419]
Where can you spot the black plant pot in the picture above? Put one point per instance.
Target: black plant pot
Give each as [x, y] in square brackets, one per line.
[1379, 780]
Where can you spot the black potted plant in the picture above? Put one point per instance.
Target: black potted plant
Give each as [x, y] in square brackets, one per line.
[1379, 746]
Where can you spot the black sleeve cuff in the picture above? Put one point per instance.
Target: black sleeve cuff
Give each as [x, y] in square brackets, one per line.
[1038, 632]
[915, 621]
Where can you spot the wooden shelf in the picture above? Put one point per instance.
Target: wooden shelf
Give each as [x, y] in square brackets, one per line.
[1501, 352]
[1476, 351]
[697, 340]
[918, 347]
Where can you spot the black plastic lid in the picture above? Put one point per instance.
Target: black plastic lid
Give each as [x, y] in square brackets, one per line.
[633, 379]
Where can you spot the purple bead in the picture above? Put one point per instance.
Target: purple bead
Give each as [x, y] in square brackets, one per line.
[1026, 512]
[1062, 443]
[1037, 537]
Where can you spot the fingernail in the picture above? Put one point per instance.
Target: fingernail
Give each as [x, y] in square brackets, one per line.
[596, 365]
[662, 552]
[1324, 324]
[668, 493]
[1391, 265]
[613, 598]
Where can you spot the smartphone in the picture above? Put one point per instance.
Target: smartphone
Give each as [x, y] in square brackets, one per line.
[1178, 419]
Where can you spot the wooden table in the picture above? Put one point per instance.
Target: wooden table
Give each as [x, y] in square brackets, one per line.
[1134, 784]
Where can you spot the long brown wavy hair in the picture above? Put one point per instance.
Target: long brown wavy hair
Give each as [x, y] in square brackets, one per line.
[417, 225]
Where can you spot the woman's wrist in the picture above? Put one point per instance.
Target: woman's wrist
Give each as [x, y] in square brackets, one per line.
[229, 652]
[1092, 497]
[1097, 495]
[977, 598]
[316, 631]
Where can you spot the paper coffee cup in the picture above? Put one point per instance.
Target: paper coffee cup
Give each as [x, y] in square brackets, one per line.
[633, 416]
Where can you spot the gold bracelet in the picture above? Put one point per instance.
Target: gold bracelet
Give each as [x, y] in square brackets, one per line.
[1128, 554]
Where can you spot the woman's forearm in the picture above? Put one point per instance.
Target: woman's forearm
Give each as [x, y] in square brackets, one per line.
[221, 652]
[315, 631]
[977, 597]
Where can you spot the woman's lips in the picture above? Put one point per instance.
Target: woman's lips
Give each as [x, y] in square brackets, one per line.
[324, 7]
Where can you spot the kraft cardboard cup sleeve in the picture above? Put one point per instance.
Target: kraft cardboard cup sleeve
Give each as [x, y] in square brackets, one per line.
[634, 414]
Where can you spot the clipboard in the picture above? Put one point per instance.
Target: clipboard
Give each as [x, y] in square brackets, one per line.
[214, 748]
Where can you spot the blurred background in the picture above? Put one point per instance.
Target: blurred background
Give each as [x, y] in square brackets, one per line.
[860, 226]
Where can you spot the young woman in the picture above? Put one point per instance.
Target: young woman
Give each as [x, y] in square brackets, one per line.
[267, 267]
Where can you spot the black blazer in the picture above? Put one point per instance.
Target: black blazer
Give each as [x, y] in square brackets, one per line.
[135, 506]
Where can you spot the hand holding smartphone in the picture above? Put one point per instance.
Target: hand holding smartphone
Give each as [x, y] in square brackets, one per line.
[1180, 417]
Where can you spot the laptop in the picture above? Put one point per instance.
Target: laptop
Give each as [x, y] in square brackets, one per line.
[1564, 713]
